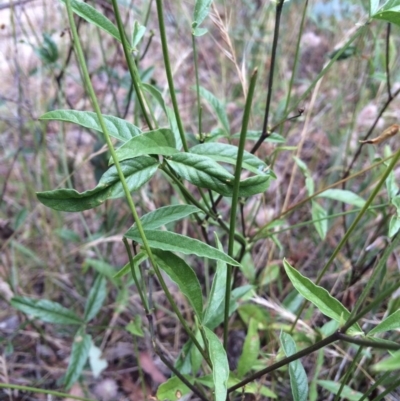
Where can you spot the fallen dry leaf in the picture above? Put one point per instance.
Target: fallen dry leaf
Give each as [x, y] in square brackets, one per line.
[389, 132]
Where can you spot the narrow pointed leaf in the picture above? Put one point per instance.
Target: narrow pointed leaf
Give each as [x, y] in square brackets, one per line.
[203, 172]
[298, 376]
[137, 259]
[218, 108]
[136, 171]
[137, 34]
[220, 366]
[91, 15]
[216, 298]
[45, 310]
[96, 298]
[255, 136]
[319, 214]
[347, 393]
[388, 364]
[344, 196]
[184, 276]
[201, 10]
[320, 297]
[223, 152]
[116, 127]
[79, 355]
[158, 142]
[168, 241]
[251, 349]
[163, 216]
[392, 322]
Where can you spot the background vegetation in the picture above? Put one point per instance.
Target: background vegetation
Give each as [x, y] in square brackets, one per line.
[69, 324]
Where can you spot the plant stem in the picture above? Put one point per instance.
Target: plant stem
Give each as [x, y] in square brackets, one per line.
[235, 198]
[168, 71]
[131, 204]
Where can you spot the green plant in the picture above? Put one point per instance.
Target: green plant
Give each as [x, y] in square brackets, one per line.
[203, 175]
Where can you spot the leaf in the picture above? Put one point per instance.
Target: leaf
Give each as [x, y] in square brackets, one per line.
[220, 366]
[202, 171]
[45, 310]
[392, 322]
[319, 214]
[298, 376]
[251, 349]
[321, 298]
[97, 363]
[163, 216]
[390, 12]
[158, 142]
[136, 171]
[223, 152]
[217, 106]
[201, 10]
[343, 195]
[373, 7]
[388, 364]
[116, 127]
[391, 185]
[184, 276]
[101, 267]
[168, 241]
[137, 34]
[394, 226]
[347, 392]
[173, 389]
[135, 326]
[94, 17]
[96, 298]
[254, 185]
[79, 355]
[216, 298]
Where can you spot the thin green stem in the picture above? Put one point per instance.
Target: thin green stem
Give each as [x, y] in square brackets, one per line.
[131, 65]
[196, 71]
[379, 382]
[235, 198]
[168, 71]
[131, 204]
[349, 371]
[43, 391]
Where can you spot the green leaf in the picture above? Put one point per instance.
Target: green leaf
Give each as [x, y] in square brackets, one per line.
[101, 267]
[94, 17]
[202, 171]
[79, 355]
[173, 389]
[48, 51]
[251, 349]
[156, 93]
[223, 152]
[136, 171]
[343, 195]
[391, 185]
[184, 276]
[254, 185]
[96, 297]
[319, 214]
[216, 298]
[394, 225]
[388, 364]
[158, 142]
[220, 366]
[137, 34]
[389, 12]
[162, 216]
[137, 259]
[298, 376]
[201, 10]
[392, 322]
[116, 127]
[218, 108]
[347, 392]
[321, 298]
[168, 241]
[45, 310]
[373, 7]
